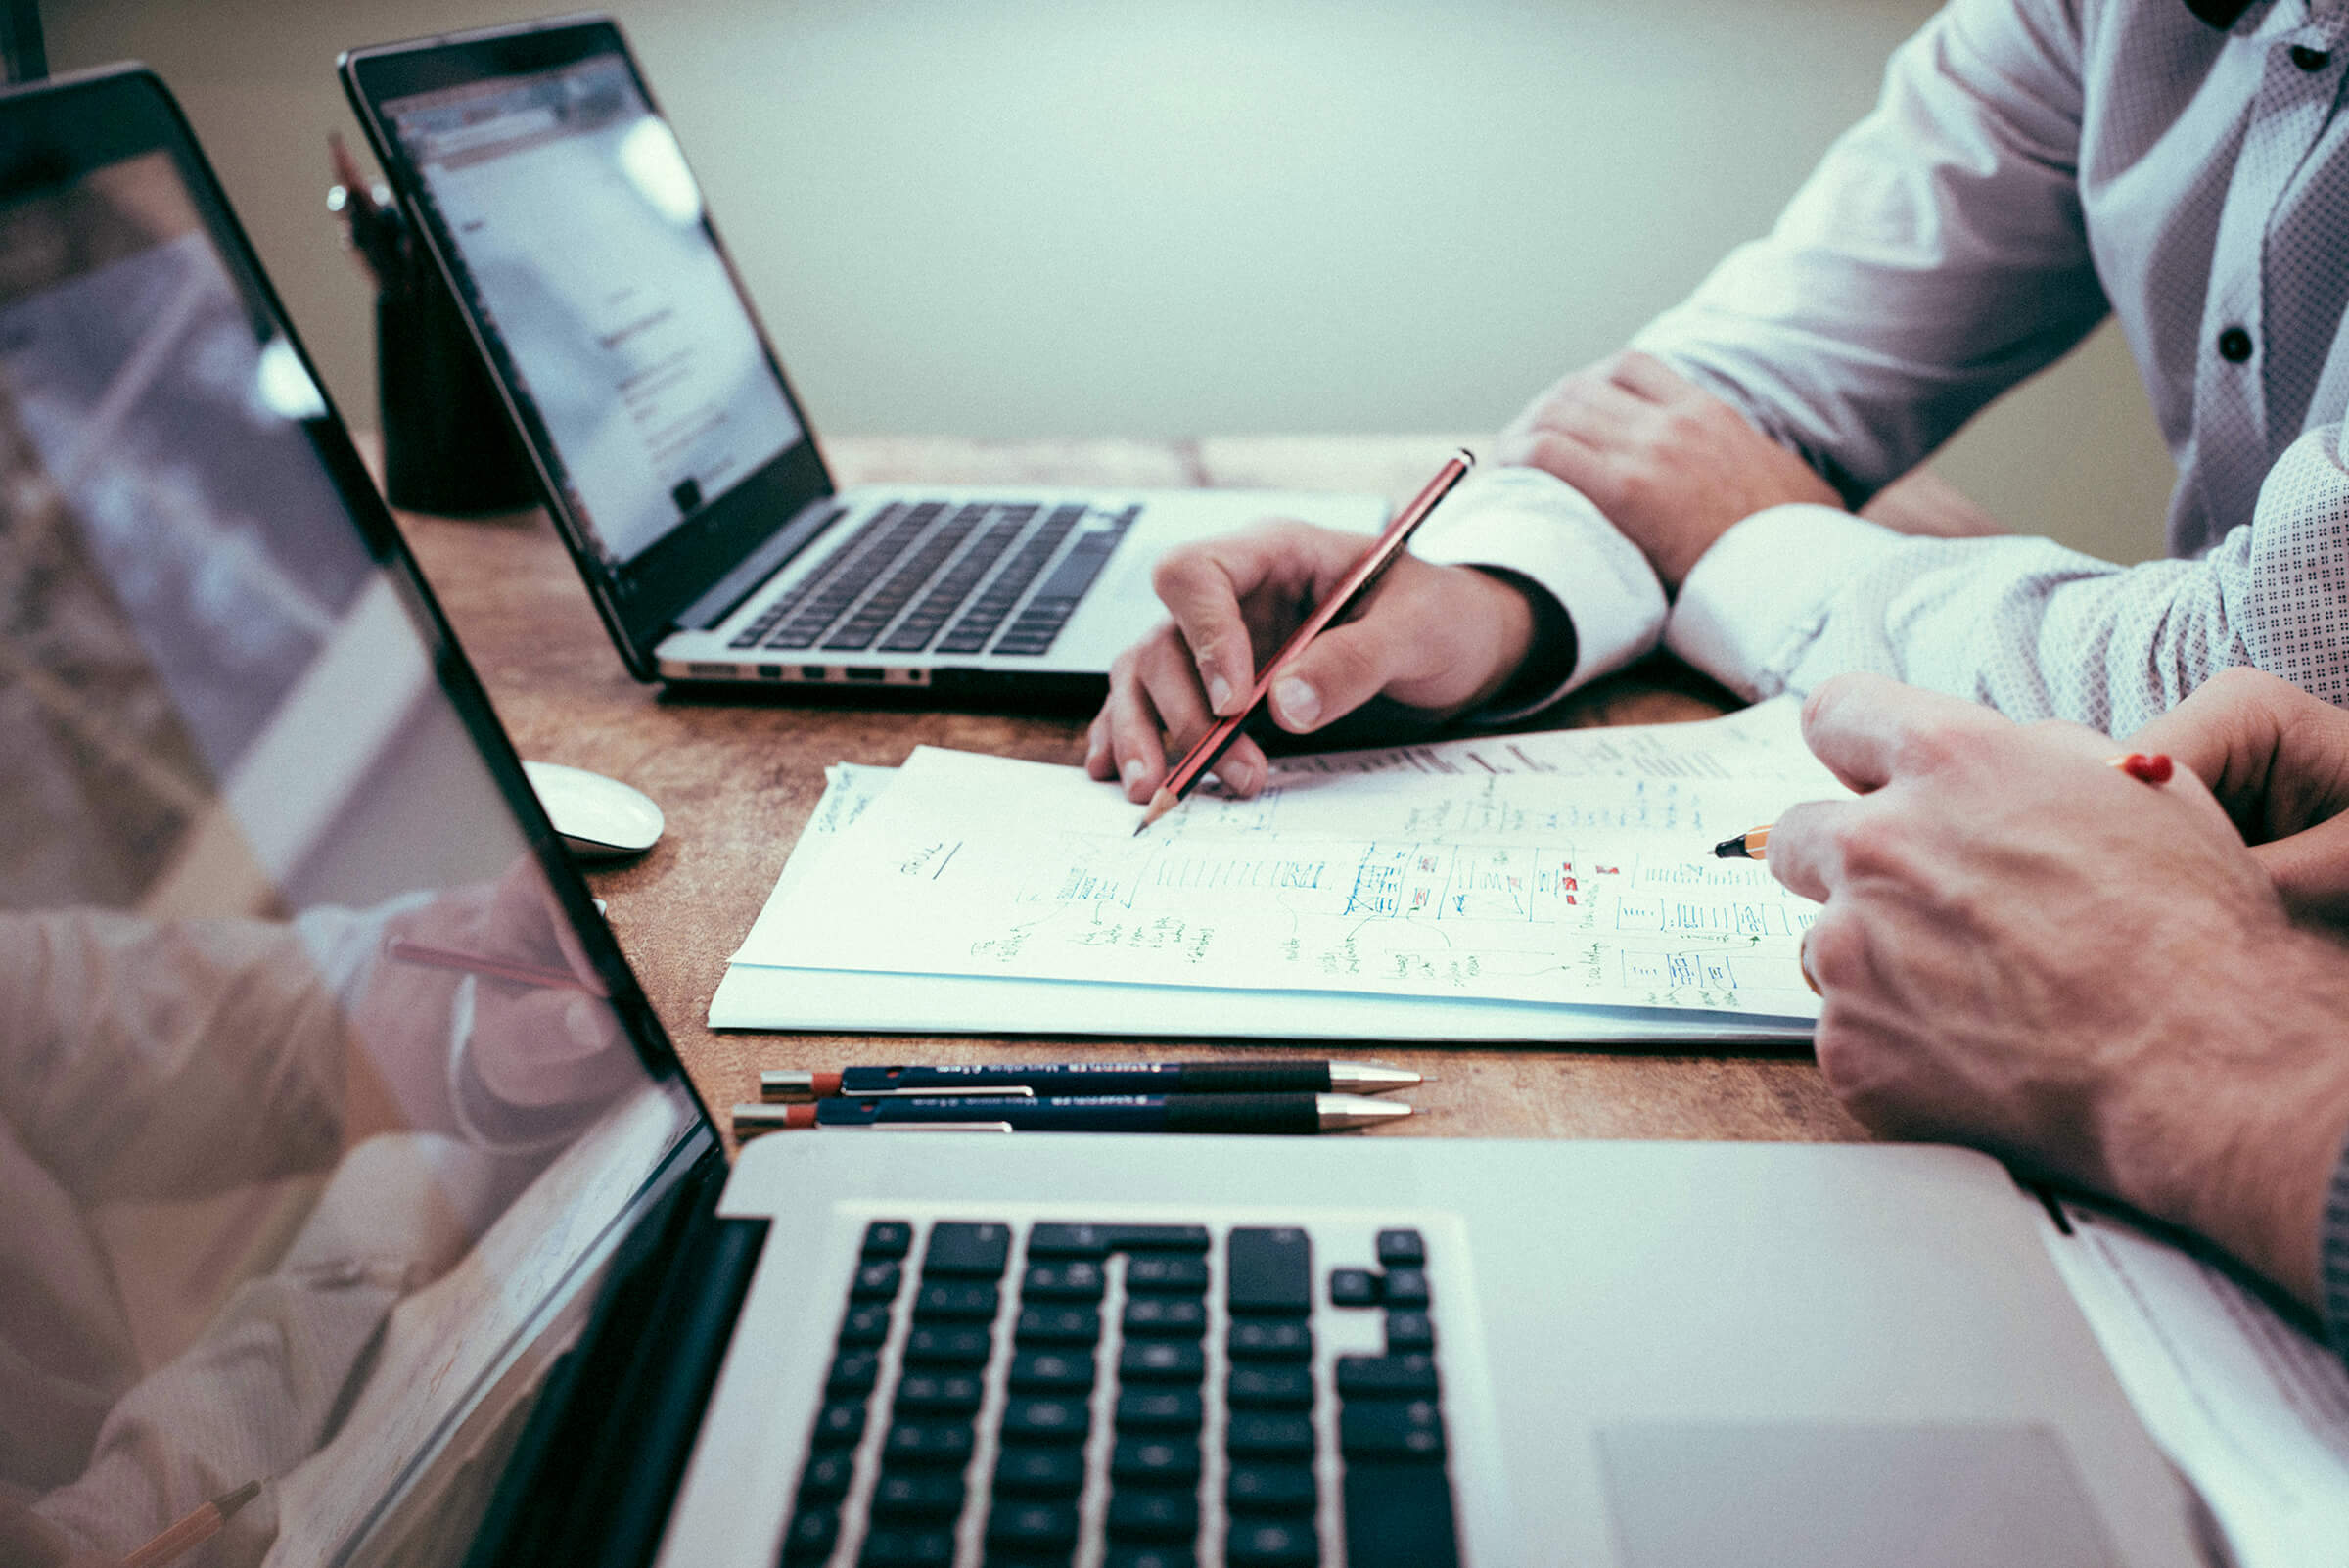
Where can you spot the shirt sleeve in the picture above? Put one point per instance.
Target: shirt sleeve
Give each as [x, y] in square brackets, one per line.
[1798, 594]
[1534, 525]
[1935, 257]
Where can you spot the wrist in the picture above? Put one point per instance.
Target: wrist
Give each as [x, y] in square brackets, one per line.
[1538, 645]
[2235, 1129]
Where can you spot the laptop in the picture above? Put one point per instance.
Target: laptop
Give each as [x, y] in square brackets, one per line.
[357, 1209]
[669, 449]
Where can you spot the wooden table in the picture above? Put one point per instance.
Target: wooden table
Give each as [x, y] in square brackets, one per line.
[738, 779]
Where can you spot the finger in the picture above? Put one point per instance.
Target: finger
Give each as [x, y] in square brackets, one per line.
[1343, 669]
[1098, 764]
[1868, 729]
[1204, 586]
[1554, 452]
[1806, 847]
[1170, 683]
[2275, 757]
[1599, 414]
[1136, 748]
[2311, 872]
[1244, 767]
[1648, 378]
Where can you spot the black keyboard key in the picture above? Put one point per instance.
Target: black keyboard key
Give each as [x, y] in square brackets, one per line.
[826, 1477]
[1155, 1460]
[1100, 1241]
[1401, 1249]
[1263, 1435]
[1390, 1430]
[865, 1324]
[908, 1548]
[1165, 1316]
[1077, 1279]
[888, 1238]
[853, 1372]
[1405, 1287]
[811, 1535]
[1033, 1526]
[904, 1496]
[1166, 1557]
[1270, 1387]
[1150, 1409]
[838, 1425]
[1028, 1420]
[966, 1299]
[875, 1282]
[1270, 1271]
[1162, 1360]
[946, 1444]
[1153, 1514]
[949, 1346]
[1399, 1516]
[966, 1249]
[1272, 1543]
[939, 1394]
[1271, 1489]
[1052, 1371]
[1352, 1287]
[1059, 1325]
[1054, 1471]
[1167, 1274]
[1276, 1339]
[1386, 1376]
[1409, 1331]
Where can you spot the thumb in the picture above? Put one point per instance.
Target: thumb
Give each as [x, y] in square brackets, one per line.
[1344, 667]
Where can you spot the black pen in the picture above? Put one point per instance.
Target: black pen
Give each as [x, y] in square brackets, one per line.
[1089, 1078]
[1080, 1113]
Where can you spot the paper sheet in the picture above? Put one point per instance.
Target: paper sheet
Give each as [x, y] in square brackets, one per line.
[2250, 1408]
[1567, 868]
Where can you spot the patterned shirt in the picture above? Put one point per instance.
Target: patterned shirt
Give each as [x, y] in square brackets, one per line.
[2031, 166]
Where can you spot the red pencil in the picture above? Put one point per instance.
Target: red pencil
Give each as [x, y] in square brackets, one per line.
[1357, 583]
[425, 956]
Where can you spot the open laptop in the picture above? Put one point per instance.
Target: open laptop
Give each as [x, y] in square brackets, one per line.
[347, 1179]
[677, 464]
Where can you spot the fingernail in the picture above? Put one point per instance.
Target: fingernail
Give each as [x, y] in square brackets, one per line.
[1219, 693]
[1241, 776]
[1134, 768]
[1300, 703]
[1095, 745]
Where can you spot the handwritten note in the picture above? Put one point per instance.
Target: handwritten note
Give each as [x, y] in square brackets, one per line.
[1571, 867]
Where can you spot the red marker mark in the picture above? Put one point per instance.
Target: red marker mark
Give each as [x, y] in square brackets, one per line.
[2155, 769]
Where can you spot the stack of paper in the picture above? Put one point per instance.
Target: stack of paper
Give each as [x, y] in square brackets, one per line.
[1551, 887]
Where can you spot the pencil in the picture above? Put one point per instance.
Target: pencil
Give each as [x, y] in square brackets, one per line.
[427, 956]
[1347, 593]
[193, 1531]
[1746, 845]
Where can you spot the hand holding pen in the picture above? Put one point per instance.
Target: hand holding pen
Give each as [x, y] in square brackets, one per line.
[1432, 641]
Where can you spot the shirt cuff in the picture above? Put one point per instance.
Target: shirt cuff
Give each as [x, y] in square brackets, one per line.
[1757, 598]
[2332, 1259]
[1533, 523]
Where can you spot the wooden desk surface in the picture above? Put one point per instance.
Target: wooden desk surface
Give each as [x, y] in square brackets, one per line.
[738, 780]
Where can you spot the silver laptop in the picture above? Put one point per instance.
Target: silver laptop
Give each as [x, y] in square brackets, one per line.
[675, 460]
[355, 1209]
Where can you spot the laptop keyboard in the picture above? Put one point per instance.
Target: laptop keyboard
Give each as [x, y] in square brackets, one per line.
[915, 573]
[1122, 1395]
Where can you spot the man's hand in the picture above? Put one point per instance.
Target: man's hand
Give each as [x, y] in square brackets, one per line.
[1671, 466]
[2278, 759]
[2088, 976]
[1433, 639]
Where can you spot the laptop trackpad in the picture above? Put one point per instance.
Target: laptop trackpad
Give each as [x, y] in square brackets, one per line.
[1846, 1497]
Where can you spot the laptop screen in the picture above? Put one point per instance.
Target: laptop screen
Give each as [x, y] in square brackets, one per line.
[582, 247]
[320, 1097]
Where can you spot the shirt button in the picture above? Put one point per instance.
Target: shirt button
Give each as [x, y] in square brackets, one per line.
[2234, 346]
[2308, 59]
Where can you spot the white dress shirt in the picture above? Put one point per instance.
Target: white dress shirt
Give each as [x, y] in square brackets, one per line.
[2031, 165]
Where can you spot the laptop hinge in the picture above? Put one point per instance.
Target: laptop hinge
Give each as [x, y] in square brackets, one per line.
[727, 593]
[597, 1470]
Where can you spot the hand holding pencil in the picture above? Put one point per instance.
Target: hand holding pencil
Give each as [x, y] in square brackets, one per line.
[1432, 641]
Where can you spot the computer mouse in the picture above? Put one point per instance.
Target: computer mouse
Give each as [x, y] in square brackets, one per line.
[600, 818]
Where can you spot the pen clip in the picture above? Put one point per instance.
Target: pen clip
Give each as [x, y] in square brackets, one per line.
[996, 1094]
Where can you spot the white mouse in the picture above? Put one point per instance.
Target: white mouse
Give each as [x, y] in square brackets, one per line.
[600, 818]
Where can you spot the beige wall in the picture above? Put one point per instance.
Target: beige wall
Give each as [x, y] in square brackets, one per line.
[1017, 217]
